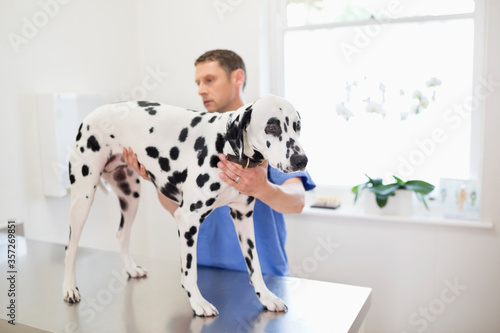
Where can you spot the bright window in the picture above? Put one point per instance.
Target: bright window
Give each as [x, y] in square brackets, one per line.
[383, 87]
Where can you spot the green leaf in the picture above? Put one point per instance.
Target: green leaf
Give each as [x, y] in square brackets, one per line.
[385, 190]
[419, 186]
[358, 189]
[399, 180]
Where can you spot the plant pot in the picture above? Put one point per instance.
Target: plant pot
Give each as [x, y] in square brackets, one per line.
[399, 204]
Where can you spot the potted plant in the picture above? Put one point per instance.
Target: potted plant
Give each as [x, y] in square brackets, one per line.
[382, 192]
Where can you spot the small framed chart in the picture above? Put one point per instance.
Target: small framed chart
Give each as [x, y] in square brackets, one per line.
[459, 198]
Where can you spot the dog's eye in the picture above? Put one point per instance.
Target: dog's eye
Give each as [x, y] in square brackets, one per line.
[273, 130]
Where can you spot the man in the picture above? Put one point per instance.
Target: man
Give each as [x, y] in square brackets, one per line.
[221, 78]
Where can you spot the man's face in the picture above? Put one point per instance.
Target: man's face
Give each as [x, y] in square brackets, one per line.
[217, 90]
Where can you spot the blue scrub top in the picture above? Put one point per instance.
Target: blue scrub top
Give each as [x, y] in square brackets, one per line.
[218, 244]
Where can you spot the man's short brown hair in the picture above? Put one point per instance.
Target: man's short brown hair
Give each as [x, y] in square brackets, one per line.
[227, 59]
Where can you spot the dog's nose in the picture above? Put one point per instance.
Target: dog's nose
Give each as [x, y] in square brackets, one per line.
[299, 162]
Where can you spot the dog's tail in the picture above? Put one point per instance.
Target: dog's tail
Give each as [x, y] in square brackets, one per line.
[104, 185]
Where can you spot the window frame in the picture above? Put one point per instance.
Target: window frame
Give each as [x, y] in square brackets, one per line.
[277, 71]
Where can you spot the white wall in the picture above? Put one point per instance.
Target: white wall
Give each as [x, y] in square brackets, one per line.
[112, 46]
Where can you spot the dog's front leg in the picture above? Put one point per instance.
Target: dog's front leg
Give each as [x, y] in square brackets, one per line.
[242, 214]
[188, 224]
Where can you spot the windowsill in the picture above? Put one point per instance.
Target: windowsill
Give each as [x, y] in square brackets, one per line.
[413, 219]
[350, 211]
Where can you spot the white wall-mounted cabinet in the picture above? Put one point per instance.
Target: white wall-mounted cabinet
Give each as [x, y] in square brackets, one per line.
[59, 116]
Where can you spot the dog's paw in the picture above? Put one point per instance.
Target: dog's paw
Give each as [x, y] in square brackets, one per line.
[203, 308]
[273, 303]
[137, 272]
[71, 294]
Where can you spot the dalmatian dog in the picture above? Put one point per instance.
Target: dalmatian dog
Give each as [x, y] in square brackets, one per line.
[180, 149]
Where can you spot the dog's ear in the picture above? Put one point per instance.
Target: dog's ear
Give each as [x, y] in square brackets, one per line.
[235, 131]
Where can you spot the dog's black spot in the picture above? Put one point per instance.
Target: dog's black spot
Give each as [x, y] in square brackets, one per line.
[136, 194]
[268, 144]
[152, 152]
[164, 164]
[250, 243]
[249, 200]
[250, 254]
[82, 150]
[151, 130]
[249, 214]
[174, 153]
[79, 135]
[119, 175]
[295, 127]
[212, 119]
[151, 111]
[195, 206]
[93, 144]
[210, 202]
[214, 160]
[214, 187]
[287, 120]
[170, 191]
[111, 136]
[122, 221]
[195, 121]
[146, 104]
[249, 265]
[71, 177]
[219, 143]
[189, 294]
[130, 172]
[137, 181]
[85, 170]
[204, 215]
[202, 179]
[178, 177]
[189, 259]
[123, 204]
[183, 135]
[125, 188]
[189, 235]
[258, 294]
[285, 128]
[199, 143]
[236, 214]
[202, 150]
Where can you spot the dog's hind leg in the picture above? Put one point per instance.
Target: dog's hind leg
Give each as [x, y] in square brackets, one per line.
[242, 214]
[82, 196]
[126, 185]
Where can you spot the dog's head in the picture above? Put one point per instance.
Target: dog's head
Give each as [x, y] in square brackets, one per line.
[269, 129]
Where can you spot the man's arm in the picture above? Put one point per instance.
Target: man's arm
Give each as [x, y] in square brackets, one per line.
[288, 197]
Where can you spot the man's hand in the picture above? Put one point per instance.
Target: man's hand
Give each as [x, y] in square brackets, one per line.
[250, 181]
[131, 159]
[288, 197]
